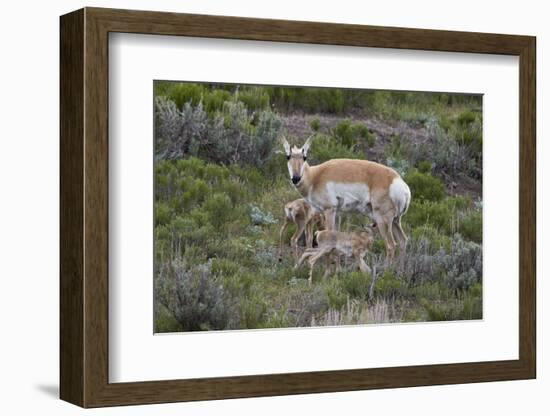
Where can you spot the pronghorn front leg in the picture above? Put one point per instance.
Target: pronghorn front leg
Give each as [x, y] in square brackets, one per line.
[331, 214]
[309, 234]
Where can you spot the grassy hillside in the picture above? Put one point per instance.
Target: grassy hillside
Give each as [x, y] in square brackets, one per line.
[221, 183]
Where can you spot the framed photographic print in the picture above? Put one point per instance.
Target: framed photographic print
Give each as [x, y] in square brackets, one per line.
[256, 207]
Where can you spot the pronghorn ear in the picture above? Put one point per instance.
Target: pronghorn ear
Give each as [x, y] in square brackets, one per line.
[286, 145]
[305, 147]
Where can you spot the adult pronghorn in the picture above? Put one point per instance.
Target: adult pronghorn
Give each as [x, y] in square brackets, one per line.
[352, 185]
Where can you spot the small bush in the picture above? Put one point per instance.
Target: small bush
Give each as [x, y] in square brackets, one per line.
[356, 284]
[434, 239]
[184, 93]
[258, 217]
[389, 285]
[471, 226]
[444, 215]
[344, 133]
[399, 164]
[315, 124]
[254, 98]
[233, 135]
[424, 186]
[162, 213]
[325, 148]
[336, 297]
[196, 299]
[466, 117]
[425, 166]
[219, 209]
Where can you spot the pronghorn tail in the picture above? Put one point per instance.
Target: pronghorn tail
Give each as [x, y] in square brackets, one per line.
[400, 195]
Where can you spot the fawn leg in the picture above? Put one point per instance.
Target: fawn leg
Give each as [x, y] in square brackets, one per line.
[296, 236]
[281, 233]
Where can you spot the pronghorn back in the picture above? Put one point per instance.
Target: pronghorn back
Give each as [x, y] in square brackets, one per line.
[373, 174]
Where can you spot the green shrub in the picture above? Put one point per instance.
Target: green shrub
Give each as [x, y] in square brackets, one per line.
[162, 213]
[253, 310]
[325, 148]
[315, 124]
[439, 311]
[336, 297]
[424, 186]
[254, 98]
[183, 93]
[473, 303]
[444, 215]
[356, 284]
[471, 226]
[389, 285]
[432, 236]
[344, 133]
[214, 100]
[309, 100]
[225, 267]
[219, 209]
[195, 298]
[425, 166]
[165, 321]
[466, 306]
[466, 117]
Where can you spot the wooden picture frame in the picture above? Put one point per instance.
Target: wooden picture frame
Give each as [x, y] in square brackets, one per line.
[84, 207]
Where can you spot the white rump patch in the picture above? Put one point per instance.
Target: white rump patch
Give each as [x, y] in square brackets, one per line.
[400, 195]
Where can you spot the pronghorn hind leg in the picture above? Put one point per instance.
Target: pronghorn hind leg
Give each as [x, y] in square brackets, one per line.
[385, 229]
[399, 234]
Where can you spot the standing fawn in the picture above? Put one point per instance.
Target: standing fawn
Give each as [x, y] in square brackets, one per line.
[348, 185]
[305, 217]
[354, 245]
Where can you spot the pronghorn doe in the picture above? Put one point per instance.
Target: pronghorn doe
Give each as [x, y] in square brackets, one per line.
[349, 244]
[353, 185]
[305, 217]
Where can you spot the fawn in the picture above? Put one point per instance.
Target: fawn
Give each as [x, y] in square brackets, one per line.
[305, 217]
[349, 244]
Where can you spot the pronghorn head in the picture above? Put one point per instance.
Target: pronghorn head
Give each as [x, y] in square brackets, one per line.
[296, 158]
